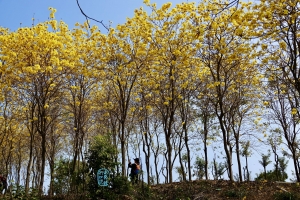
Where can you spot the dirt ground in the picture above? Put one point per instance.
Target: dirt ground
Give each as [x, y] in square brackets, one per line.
[205, 190]
[217, 190]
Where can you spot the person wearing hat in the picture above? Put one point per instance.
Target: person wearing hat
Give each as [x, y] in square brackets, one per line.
[135, 169]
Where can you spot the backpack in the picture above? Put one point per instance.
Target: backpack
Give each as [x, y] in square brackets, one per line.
[137, 170]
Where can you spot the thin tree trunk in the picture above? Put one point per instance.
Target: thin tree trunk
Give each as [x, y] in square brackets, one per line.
[43, 157]
[227, 151]
[29, 164]
[18, 170]
[169, 159]
[181, 165]
[31, 132]
[123, 149]
[188, 153]
[147, 155]
[205, 132]
[237, 149]
[51, 179]
[248, 175]
[156, 153]
[295, 166]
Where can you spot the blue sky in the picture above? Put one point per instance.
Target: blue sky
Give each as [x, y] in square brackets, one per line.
[19, 13]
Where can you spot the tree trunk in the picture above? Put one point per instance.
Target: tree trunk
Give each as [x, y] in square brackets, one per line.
[51, 179]
[123, 150]
[296, 166]
[147, 154]
[248, 175]
[237, 149]
[181, 165]
[227, 151]
[188, 153]
[169, 160]
[156, 153]
[43, 157]
[205, 132]
[18, 170]
[29, 164]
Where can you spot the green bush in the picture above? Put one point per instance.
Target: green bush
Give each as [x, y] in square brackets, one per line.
[118, 188]
[121, 185]
[18, 192]
[101, 154]
[144, 192]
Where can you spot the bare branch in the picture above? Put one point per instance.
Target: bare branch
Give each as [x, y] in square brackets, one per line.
[87, 17]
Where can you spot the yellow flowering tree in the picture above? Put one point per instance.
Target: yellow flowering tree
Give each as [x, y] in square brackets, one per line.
[123, 55]
[81, 82]
[278, 28]
[232, 74]
[13, 141]
[39, 59]
[173, 69]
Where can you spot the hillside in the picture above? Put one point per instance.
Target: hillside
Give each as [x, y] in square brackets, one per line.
[199, 190]
[214, 190]
[195, 190]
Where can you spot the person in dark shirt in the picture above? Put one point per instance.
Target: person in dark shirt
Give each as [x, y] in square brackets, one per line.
[135, 169]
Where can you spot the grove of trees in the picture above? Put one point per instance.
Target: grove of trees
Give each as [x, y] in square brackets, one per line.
[166, 86]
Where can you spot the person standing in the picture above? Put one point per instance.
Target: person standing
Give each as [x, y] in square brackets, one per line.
[135, 170]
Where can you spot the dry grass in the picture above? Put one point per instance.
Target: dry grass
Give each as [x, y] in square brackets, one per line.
[217, 190]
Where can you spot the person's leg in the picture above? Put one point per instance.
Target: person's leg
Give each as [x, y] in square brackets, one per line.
[136, 178]
[131, 178]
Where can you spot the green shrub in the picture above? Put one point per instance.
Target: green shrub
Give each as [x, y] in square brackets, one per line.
[121, 185]
[18, 192]
[144, 192]
[101, 154]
